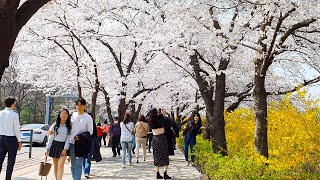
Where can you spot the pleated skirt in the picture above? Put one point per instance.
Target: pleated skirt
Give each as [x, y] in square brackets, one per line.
[56, 149]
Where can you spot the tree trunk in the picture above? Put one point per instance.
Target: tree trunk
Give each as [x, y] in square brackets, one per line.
[8, 31]
[209, 103]
[122, 106]
[137, 113]
[12, 20]
[206, 91]
[178, 114]
[94, 103]
[172, 115]
[35, 110]
[260, 112]
[132, 107]
[78, 83]
[219, 143]
[107, 102]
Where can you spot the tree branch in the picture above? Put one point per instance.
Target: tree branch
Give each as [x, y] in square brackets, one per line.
[27, 10]
[170, 58]
[295, 27]
[202, 59]
[305, 83]
[148, 90]
[118, 62]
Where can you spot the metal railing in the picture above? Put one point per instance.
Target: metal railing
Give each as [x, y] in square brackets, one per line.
[30, 142]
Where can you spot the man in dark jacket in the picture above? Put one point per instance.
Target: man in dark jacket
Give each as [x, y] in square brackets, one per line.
[115, 133]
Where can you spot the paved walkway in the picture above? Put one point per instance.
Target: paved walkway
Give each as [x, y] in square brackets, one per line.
[110, 168]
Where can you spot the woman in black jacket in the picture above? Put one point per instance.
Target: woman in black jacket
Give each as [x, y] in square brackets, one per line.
[190, 133]
[159, 143]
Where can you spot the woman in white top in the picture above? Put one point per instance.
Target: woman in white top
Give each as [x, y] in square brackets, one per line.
[59, 142]
[126, 138]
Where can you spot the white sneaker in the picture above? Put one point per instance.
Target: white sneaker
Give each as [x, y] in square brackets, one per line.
[123, 165]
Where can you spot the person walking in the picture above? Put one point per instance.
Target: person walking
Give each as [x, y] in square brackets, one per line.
[115, 133]
[141, 130]
[126, 138]
[10, 137]
[189, 134]
[81, 122]
[171, 130]
[105, 131]
[133, 143]
[59, 142]
[149, 139]
[99, 133]
[159, 143]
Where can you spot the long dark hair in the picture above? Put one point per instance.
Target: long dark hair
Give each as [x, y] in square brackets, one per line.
[58, 121]
[198, 115]
[152, 116]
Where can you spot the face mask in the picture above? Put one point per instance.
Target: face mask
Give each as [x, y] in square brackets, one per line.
[116, 122]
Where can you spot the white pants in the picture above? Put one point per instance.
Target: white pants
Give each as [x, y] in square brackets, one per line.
[142, 141]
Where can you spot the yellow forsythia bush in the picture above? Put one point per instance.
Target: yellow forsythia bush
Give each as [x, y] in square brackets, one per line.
[293, 135]
[293, 139]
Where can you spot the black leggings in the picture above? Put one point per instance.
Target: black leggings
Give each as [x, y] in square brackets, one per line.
[150, 137]
[116, 145]
[104, 136]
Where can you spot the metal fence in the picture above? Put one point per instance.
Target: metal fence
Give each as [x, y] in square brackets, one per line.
[30, 142]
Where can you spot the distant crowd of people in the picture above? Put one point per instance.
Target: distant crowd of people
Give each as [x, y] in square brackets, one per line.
[75, 137]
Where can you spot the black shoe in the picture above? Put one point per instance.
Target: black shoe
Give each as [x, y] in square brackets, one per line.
[118, 154]
[137, 161]
[166, 176]
[114, 155]
[87, 176]
[159, 176]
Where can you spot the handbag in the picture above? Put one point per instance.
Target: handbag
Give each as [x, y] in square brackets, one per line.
[44, 168]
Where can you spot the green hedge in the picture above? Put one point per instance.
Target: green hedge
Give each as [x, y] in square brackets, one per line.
[216, 166]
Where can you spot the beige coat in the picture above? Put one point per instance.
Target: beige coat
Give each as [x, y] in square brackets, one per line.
[141, 129]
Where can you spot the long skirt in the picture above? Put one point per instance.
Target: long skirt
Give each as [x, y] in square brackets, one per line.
[160, 150]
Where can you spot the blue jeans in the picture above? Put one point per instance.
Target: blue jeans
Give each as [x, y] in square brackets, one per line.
[87, 162]
[189, 140]
[76, 164]
[126, 147]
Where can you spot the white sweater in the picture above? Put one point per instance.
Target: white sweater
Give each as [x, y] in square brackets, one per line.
[126, 132]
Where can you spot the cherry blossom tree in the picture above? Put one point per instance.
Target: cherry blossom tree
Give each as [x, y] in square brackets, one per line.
[14, 14]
